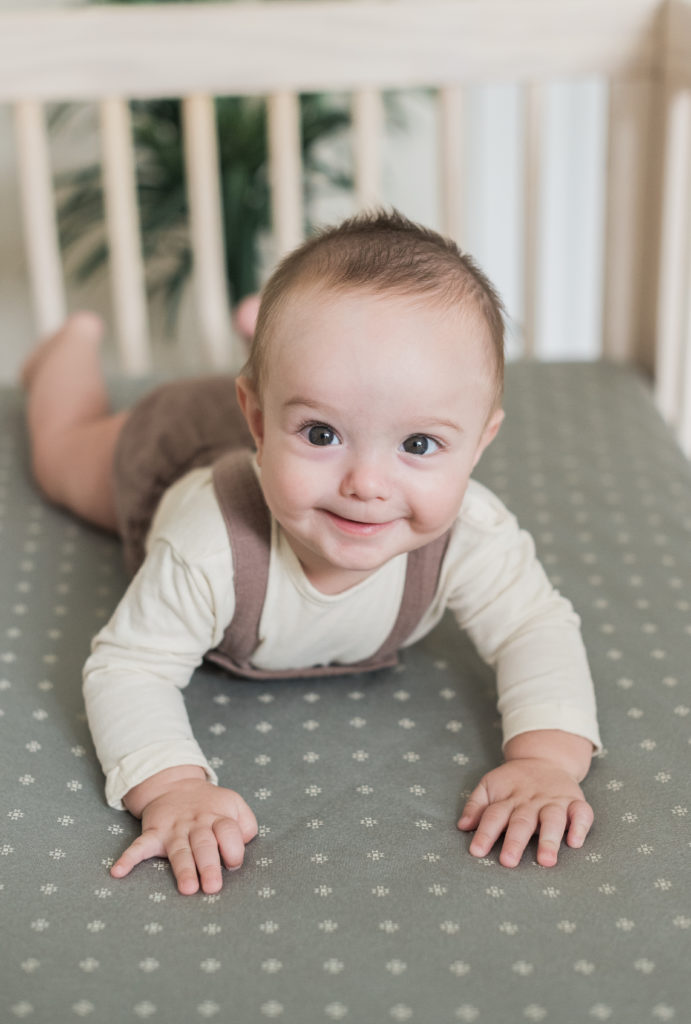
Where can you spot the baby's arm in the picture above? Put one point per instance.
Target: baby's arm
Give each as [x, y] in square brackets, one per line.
[535, 790]
[531, 635]
[140, 662]
[191, 822]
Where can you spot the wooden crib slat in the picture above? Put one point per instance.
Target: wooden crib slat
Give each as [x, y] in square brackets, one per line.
[122, 225]
[533, 116]
[674, 289]
[674, 276]
[450, 110]
[368, 133]
[677, 43]
[285, 169]
[38, 210]
[628, 187]
[206, 233]
[684, 432]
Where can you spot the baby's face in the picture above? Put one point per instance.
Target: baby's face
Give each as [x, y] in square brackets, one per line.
[375, 410]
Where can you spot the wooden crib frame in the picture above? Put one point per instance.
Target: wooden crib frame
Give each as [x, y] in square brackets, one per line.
[112, 54]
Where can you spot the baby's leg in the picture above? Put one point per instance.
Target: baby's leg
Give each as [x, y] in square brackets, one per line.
[71, 430]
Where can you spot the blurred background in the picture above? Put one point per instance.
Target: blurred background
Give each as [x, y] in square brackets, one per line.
[572, 175]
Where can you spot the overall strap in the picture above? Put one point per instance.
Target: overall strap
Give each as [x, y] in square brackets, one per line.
[421, 581]
[248, 524]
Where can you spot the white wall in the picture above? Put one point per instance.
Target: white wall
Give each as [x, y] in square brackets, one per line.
[572, 175]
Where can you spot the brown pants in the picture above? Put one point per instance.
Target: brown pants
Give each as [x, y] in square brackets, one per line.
[175, 428]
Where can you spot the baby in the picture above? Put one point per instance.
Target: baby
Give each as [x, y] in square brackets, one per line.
[373, 386]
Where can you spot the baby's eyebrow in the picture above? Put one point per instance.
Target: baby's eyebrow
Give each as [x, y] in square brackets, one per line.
[299, 400]
[426, 425]
[451, 424]
[305, 403]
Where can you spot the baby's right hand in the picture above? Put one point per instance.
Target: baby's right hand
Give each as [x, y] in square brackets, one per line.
[191, 822]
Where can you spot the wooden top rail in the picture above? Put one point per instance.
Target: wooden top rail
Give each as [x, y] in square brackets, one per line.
[258, 48]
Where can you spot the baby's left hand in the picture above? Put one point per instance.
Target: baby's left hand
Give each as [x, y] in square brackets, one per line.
[525, 796]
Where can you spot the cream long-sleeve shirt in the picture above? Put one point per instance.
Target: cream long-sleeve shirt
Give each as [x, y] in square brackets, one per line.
[179, 604]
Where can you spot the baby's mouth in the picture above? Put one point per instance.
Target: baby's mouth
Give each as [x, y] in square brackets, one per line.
[357, 527]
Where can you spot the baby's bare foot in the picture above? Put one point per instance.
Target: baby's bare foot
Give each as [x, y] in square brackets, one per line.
[80, 328]
[245, 316]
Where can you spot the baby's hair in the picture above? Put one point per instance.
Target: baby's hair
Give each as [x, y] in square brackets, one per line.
[384, 253]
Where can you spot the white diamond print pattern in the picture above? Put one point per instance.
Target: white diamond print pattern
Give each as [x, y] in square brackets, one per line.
[358, 900]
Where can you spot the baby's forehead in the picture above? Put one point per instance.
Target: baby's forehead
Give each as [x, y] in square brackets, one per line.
[328, 306]
[317, 321]
[309, 300]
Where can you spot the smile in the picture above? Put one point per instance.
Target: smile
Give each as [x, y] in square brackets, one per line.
[356, 528]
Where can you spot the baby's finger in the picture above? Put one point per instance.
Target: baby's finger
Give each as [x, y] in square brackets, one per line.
[490, 827]
[522, 825]
[148, 844]
[230, 842]
[476, 803]
[183, 864]
[246, 820]
[206, 856]
[552, 826]
[581, 817]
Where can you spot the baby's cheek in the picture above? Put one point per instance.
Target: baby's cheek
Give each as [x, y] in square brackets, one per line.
[439, 505]
[289, 486]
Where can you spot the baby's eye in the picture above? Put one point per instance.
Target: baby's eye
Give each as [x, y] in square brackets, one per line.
[420, 444]
[321, 434]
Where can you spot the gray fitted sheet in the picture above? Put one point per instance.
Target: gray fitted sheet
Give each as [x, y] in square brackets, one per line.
[358, 900]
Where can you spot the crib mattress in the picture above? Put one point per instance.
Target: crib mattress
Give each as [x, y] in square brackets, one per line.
[358, 900]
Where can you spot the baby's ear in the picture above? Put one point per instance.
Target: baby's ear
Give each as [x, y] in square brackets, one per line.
[248, 401]
[489, 433]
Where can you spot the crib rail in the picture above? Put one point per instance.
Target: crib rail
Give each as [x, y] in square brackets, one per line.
[110, 55]
[265, 48]
[673, 362]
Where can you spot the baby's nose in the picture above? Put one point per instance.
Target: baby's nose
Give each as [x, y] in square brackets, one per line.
[366, 480]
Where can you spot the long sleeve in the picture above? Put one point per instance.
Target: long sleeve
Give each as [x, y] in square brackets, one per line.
[519, 623]
[143, 658]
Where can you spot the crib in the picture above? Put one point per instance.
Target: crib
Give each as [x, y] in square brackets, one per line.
[358, 900]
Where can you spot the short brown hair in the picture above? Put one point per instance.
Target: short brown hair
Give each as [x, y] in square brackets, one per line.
[384, 252]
